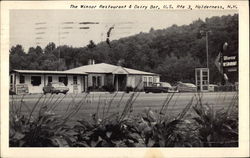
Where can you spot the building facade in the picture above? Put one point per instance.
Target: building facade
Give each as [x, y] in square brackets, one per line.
[95, 77]
[33, 81]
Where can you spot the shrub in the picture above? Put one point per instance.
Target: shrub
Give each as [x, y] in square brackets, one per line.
[203, 127]
[110, 88]
[110, 130]
[158, 130]
[129, 89]
[42, 129]
[216, 128]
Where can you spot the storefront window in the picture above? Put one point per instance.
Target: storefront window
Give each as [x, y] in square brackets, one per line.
[74, 79]
[99, 81]
[63, 80]
[145, 81]
[150, 81]
[35, 80]
[22, 79]
[94, 81]
[49, 79]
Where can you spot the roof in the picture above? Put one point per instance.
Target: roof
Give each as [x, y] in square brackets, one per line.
[48, 72]
[108, 68]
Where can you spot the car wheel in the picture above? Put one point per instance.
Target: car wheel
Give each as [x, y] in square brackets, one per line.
[146, 92]
[64, 92]
[44, 92]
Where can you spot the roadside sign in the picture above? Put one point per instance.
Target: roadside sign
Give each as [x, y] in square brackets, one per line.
[227, 64]
[230, 63]
[22, 89]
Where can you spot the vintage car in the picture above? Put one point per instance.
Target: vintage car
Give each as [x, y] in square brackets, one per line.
[173, 89]
[55, 87]
[158, 87]
[186, 87]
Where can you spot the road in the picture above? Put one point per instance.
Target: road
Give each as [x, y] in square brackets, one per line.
[90, 102]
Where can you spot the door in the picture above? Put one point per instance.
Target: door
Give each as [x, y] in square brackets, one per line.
[120, 82]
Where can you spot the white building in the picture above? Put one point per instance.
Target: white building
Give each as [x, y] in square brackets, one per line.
[96, 77]
[33, 81]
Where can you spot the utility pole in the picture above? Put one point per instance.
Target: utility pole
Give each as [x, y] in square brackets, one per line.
[206, 32]
[207, 47]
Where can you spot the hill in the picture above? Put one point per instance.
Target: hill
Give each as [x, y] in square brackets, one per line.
[173, 52]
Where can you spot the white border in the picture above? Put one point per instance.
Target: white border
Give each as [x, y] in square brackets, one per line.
[243, 149]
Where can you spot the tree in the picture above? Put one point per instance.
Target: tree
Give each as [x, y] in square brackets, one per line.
[91, 44]
[18, 58]
[172, 52]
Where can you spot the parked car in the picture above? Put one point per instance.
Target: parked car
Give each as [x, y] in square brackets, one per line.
[158, 87]
[173, 89]
[186, 87]
[55, 87]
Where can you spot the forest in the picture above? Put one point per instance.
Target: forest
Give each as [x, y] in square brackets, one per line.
[173, 52]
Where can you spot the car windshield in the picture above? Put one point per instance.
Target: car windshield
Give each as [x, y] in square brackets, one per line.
[58, 85]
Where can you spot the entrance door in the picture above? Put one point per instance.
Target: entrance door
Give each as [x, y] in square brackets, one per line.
[120, 82]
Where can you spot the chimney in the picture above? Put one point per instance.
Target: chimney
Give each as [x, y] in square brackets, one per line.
[91, 62]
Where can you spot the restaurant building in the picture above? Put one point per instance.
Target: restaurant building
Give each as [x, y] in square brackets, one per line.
[94, 77]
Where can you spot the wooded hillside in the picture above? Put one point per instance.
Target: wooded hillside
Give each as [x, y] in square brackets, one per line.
[173, 52]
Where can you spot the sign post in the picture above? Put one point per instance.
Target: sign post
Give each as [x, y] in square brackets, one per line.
[227, 64]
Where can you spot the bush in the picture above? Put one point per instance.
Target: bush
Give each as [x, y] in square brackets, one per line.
[110, 130]
[41, 129]
[129, 89]
[109, 88]
[203, 127]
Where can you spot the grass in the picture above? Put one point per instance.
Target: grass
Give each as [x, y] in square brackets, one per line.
[115, 120]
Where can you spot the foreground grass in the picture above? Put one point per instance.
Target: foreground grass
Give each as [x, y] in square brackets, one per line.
[114, 122]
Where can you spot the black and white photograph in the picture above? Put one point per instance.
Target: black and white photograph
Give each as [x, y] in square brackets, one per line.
[106, 75]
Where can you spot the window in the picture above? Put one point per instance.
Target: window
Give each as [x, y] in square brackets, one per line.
[154, 79]
[49, 79]
[204, 73]
[11, 79]
[63, 80]
[94, 81]
[35, 80]
[150, 81]
[205, 78]
[22, 79]
[145, 81]
[74, 79]
[99, 81]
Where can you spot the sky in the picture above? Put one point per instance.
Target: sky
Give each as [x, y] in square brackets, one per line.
[39, 27]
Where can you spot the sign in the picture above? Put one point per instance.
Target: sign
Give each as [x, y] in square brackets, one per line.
[227, 64]
[230, 63]
[22, 89]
